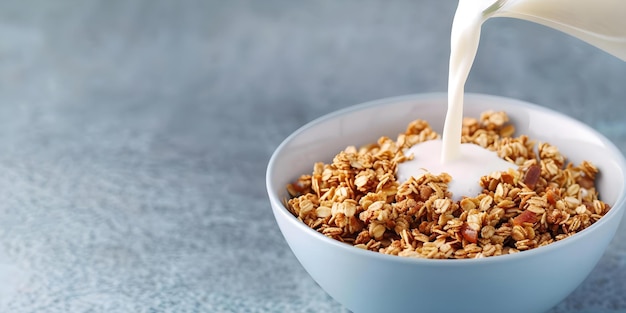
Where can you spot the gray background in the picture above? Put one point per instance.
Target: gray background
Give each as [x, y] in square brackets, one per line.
[134, 138]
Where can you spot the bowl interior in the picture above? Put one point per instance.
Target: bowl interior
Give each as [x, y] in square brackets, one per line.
[321, 139]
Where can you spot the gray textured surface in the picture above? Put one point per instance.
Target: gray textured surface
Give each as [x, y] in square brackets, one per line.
[135, 136]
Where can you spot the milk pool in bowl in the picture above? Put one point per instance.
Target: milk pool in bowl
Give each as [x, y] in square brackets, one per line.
[366, 281]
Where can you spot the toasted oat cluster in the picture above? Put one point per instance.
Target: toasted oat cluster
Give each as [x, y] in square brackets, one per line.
[356, 199]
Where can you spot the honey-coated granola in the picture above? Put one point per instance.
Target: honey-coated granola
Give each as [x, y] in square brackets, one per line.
[356, 199]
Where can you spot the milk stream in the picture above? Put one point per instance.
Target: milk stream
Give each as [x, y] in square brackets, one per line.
[465, 163]
[464, 40]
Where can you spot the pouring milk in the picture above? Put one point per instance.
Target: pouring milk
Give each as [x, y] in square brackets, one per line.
[600, 23]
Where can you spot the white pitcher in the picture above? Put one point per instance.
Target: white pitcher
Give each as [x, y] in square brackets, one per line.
[601, 23]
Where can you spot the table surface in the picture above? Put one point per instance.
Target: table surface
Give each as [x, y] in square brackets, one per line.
[135, 137]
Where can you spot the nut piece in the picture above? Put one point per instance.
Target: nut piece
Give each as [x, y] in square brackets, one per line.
[469, 234]
[526, 217]
[532, 176]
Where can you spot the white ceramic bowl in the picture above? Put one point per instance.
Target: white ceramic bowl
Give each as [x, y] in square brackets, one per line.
[365, 281]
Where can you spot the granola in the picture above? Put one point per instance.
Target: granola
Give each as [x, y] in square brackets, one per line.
[357, 199]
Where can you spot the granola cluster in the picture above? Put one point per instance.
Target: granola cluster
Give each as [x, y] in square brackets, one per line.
[356, 199]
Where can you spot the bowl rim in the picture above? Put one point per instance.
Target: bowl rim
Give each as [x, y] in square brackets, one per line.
[279, 208]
